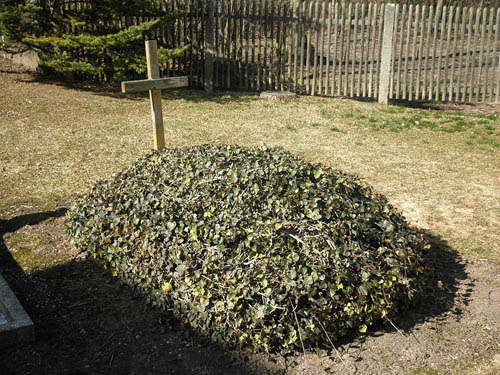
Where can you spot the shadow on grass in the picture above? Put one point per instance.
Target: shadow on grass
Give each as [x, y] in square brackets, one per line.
[113, 90]
[87, 322]
[7, 263]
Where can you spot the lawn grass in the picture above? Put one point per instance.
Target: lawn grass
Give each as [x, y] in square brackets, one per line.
[57, 141]
[439, 167]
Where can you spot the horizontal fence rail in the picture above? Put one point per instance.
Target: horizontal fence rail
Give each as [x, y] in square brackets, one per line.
[331, 48]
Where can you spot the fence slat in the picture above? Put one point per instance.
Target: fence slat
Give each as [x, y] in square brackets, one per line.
[265, 67]
[315, 28]
[373, 31]
[303, 44]
[497, 95]
[354, 49]
[394, 52]
[341, 23]
[455, 25]
[348, 47]
[322, 48]
[400, 56]
[448, 51]
[329, 43]
[277, 36]
[366, 42]
[482, 45]
[407, 51]
[414, 55]
[465, 12]
[489, 55]
[334, 57]
[440, 57]
[379, 48]
[474, 53]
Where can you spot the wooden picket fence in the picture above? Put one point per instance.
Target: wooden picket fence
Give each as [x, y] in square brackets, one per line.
[335, 48]
[383, 51]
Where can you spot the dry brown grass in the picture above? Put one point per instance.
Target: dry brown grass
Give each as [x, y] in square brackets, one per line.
[440, 167]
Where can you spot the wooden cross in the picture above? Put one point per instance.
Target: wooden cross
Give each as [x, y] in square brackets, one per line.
[154, 84]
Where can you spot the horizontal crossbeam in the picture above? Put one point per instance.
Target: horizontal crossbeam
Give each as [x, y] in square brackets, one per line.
[154, 84]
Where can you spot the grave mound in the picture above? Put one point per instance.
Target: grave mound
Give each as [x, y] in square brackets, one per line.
[252, 247]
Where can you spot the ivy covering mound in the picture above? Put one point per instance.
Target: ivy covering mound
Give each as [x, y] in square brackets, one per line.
[252, 247]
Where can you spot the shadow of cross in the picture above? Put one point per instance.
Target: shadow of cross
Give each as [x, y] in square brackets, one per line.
[154, 84]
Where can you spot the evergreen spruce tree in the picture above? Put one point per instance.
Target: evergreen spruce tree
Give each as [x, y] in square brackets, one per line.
[85, 37]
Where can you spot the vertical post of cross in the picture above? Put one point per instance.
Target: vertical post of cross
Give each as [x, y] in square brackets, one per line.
[386, 54]
[155, 94]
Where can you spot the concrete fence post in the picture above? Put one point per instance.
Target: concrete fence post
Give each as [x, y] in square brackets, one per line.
[386, 54]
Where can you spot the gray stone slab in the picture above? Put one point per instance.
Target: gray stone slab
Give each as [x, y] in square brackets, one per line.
[15, 325]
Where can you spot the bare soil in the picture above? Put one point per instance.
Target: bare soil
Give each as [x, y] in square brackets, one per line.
[88, 323]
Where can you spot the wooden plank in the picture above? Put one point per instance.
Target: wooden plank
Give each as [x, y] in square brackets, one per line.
[154, 84]
[473, 55]
[373, 30]
[363, 49]
[209, 50]
[185, 37]
[191, 42]
[265, 67]
[440, 57]
[366, 48]
[481, 54]
[387, 47]
[427, 50]
[329, 44]
[288, 25]
[241, 70]
[456, 23]
[295, 39]
[288, 44]
[400, 57]
[448, 52]
[354, 49]
[272, 70]
[394, 51]
[420, 55]
[315, 28]
[308, 50]
[334, 57]
[341, 21]
[302, 43]
[228, 36]
[322, 48]
[253, 73]
[379, 47]
[155, 94]
[279, 45]
[497, 52]
[259, 48]
[470, 16]
[414, 56]
[461, 55]
[409, 28]
[179, 29]
[217, 42]
[347, 47]
[243, 6]
[489, 56]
